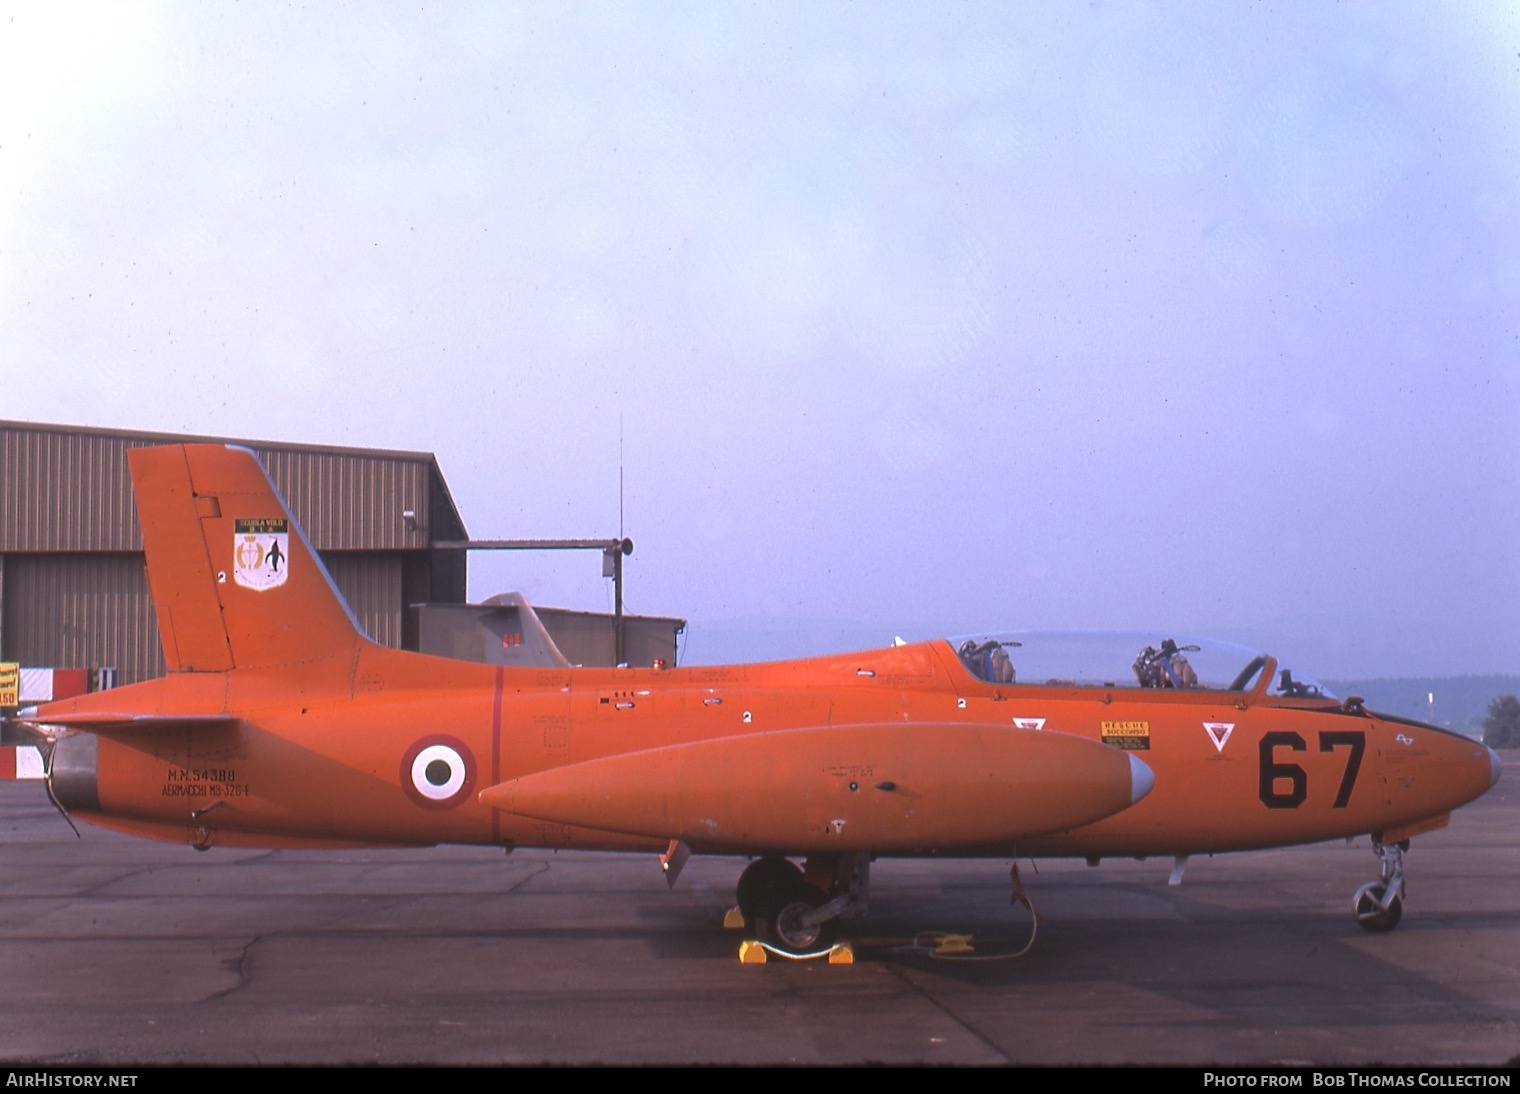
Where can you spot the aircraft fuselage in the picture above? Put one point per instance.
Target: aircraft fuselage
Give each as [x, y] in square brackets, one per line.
[1233, 770]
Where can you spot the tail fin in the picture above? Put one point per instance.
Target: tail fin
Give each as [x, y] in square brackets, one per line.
[234, 581]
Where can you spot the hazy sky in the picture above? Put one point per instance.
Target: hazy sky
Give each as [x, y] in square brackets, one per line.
[916, 319]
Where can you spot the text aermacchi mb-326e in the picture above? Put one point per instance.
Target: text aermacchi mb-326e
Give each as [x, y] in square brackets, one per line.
[279, 724]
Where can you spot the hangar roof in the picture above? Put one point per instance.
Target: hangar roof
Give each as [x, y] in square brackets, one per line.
[66, 488]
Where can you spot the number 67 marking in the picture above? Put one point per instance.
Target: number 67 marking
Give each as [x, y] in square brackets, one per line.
[1298, 781]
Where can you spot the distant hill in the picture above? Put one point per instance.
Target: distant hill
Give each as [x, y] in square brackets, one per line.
[1460, 702]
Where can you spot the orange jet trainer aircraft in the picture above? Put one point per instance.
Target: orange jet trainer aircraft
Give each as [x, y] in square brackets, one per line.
[280, 724]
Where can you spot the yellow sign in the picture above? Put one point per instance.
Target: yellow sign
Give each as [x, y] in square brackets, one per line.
[1131, 736]
[10, 684]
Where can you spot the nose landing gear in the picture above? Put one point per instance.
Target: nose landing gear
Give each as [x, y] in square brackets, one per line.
[1379, 905]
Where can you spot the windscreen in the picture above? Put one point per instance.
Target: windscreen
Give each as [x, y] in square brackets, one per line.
[1134, 659]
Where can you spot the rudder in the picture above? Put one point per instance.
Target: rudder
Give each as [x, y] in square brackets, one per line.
[233, 579]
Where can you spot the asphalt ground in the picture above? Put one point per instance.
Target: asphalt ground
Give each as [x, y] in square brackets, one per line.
[119, 951]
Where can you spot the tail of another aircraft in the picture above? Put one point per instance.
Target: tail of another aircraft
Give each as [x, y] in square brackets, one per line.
[233, 579]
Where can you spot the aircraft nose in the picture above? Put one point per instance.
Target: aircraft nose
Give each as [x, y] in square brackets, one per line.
[1495, 768]
[1142, 778]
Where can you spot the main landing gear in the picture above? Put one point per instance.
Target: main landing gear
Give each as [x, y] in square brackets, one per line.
[1379, 905]
[797, 910]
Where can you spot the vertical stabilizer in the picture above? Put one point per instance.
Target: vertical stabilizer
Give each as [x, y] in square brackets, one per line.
[234, 581]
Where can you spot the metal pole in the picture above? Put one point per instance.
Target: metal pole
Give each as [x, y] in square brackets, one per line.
[617, 608]
[617, 548]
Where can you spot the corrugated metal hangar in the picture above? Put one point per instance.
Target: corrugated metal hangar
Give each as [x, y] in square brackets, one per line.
[74, 593]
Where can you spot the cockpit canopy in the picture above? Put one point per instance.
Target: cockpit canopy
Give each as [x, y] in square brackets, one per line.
[1119, 659]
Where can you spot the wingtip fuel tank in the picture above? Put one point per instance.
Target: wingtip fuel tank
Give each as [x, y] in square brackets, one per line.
[903, 789]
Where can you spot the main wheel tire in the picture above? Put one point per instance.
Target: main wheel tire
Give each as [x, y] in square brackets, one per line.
[762, 880]
[1370, 913]
[779, 922]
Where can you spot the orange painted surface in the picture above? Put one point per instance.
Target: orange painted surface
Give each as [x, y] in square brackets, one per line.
[284, 726]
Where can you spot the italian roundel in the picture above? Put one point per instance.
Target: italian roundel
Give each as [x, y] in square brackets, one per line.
[438, 772]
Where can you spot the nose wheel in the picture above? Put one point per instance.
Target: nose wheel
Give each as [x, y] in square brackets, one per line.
[1379, 905]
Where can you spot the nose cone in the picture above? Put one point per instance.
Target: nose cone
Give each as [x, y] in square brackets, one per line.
[1436, 770]
[1142, 778]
